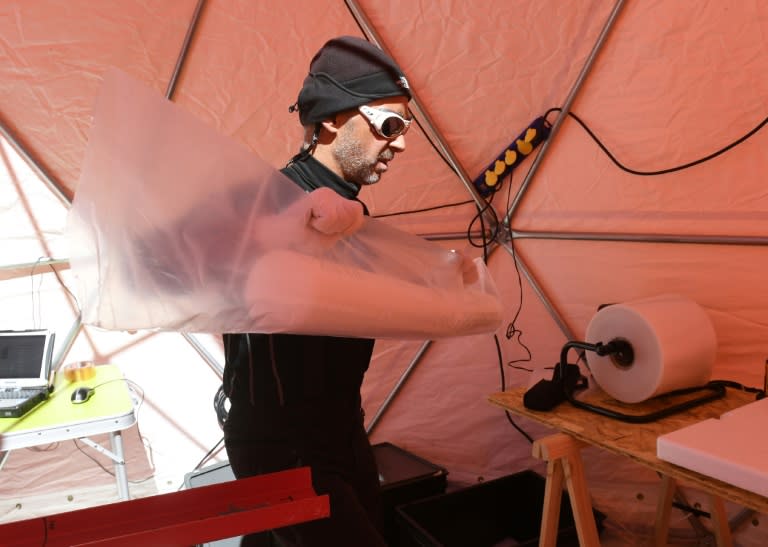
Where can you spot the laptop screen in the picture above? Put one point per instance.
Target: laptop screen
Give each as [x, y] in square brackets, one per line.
[25, 357]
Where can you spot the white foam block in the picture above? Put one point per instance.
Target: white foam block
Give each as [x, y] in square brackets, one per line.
[733, 448]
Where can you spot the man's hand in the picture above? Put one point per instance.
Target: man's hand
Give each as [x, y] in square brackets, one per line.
[331, 214]
[312, 225]
[467, 266]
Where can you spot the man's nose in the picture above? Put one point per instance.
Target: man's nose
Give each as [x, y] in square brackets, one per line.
[398, 144]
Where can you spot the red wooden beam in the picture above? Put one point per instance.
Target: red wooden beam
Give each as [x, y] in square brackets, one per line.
[197, 515]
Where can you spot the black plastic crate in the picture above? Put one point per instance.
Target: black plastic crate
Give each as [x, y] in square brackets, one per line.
[404, 477]
[504, 511]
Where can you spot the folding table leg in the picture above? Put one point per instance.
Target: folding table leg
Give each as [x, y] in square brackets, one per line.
[121, 475]
[4, 458]
[118, 458]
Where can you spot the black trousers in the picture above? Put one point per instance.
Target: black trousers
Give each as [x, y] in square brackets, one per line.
[354, 494]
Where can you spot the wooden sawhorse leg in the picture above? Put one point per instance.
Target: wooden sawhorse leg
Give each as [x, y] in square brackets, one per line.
[563, 456]
[720, 524]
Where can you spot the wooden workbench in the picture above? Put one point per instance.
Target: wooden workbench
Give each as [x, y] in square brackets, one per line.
[579, 428]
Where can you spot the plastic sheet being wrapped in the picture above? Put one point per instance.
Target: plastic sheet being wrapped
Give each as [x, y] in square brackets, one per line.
[175, 227]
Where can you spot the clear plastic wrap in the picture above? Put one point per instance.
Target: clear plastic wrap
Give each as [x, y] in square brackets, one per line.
[176, 227]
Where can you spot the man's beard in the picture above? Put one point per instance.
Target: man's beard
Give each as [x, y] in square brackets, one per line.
[355, 165]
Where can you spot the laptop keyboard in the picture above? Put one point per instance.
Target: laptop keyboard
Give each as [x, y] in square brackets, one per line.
[17, 393]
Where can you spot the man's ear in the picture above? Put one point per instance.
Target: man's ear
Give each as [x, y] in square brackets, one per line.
[331, 125]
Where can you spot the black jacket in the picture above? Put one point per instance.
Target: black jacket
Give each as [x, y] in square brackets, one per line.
[297, 390]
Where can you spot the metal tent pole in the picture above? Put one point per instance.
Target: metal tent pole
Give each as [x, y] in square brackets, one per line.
[445, 149]
[53, 185]
[423, 118]
[565, 108]
[600, 42]
[63, 195]
[191, 28]
[184, 49]
[204, 354]
[400, 383]
[645, 238]
[428, 127]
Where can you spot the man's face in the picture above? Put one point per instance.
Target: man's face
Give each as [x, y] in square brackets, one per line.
[360, 152]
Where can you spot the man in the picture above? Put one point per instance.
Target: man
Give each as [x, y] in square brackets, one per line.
[295, 399]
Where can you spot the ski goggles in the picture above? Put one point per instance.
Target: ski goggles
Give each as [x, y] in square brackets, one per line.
[387, 124]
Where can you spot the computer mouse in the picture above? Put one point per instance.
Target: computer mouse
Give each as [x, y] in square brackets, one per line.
[82, 394]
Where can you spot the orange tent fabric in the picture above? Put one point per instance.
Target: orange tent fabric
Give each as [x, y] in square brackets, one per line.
[659, 84]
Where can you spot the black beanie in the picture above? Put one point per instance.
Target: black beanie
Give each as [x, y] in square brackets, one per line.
[348, 72]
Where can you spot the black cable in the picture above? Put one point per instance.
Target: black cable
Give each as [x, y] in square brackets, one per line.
[431, 143]
[512, 326]
[424, 210]
[483, 235]
[131, 384]
[689, 509]
[495, 337]
[759, 393]
[607, 153]
[479, 217]
[208, 455]
[504, 388]
[661, 171]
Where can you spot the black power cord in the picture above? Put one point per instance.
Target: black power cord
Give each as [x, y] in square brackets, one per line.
[607, 153]
[688, 165]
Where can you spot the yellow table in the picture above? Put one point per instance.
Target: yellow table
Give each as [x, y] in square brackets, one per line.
[579, 428]
[109, 410]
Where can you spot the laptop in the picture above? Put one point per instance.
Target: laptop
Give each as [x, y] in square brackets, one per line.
[25, 370]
